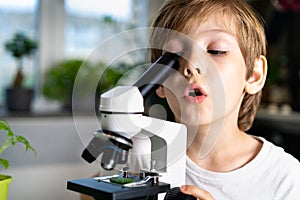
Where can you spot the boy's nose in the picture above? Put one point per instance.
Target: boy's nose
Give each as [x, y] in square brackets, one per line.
[191, 71]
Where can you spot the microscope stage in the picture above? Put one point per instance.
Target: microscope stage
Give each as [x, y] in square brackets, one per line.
[102, 190]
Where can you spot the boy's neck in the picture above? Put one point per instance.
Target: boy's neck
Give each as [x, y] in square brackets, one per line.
[221, 150]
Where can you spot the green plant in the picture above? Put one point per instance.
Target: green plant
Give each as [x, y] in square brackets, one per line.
[113, 74]
[10, 140]
[60, 78]
[20, 46]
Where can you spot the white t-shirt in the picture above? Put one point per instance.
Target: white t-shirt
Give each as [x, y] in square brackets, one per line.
[272, 175]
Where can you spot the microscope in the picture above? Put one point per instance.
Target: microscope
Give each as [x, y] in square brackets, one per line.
[151, 150]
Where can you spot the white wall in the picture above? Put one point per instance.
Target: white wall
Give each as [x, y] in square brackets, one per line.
[58, 159]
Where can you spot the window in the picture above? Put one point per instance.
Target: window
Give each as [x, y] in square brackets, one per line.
[90, 23]
[65, 29]
[15, 15]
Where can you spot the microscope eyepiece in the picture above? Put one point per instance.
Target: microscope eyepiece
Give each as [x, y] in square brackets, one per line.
[157, 73]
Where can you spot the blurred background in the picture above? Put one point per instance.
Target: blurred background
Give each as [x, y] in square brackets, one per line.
[64, 30]
[61, 34]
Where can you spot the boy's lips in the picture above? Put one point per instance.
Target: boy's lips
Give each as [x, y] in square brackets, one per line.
[194, 94]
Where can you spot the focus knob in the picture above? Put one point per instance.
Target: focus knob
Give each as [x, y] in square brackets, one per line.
[176, 194]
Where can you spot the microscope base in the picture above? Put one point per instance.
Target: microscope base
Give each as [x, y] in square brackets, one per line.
[109, 191]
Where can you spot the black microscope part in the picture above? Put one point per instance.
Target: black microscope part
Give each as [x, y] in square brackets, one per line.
[93, 150]
[110, 146]
[176, 194]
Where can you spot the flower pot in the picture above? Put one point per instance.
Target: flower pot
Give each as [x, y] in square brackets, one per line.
[18, 99]
[4, 183]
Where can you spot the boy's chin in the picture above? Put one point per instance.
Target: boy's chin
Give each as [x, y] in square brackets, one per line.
[195, 120]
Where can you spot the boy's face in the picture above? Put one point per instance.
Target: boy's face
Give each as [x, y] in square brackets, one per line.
[214, 77]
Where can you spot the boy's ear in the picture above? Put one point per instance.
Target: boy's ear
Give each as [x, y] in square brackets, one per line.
[160, 91]
[256, 82]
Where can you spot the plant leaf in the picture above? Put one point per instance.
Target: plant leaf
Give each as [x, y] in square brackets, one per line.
[10, 140]
[4, 162]
[24, 141]
[7, 143]
[4, 125]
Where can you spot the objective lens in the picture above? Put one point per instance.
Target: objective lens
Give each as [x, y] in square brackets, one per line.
[110, 157]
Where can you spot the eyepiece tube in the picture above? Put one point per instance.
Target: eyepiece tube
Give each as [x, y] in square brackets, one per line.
[158, 72]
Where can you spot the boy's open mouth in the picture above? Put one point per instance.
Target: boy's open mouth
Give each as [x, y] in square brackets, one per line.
[194, 94]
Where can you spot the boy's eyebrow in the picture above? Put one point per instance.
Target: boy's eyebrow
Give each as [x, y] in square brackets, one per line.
[218, 30]
[227, 34]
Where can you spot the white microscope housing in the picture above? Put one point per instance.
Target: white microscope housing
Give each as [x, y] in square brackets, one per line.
[156, 144]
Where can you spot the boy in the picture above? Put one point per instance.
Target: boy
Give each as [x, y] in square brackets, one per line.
[236, 165]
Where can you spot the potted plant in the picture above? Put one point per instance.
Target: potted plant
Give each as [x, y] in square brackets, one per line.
[59, 81]
[10, 140]
[60, 78]
[18, 98]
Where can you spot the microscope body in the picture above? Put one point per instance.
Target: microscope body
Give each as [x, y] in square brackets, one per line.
[157, 144]
[149, 145]
[154, 147]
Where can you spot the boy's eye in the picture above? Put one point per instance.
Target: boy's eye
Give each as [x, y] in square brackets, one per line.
[216, 52]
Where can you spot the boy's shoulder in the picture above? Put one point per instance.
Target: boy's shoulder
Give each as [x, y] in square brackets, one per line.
[277, 153]
[284, 170]
[278, 160]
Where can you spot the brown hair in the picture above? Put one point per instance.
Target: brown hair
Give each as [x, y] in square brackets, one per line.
[234, 15]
